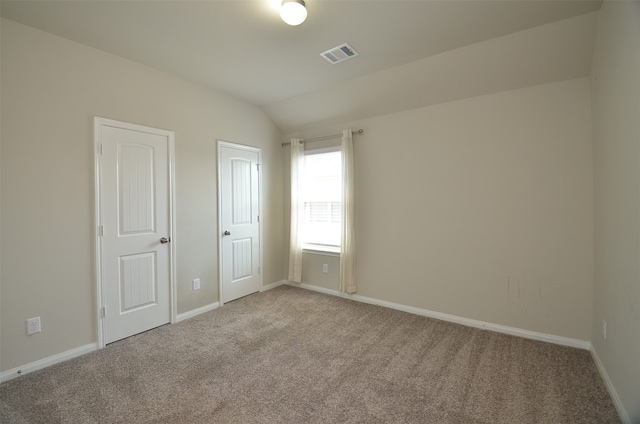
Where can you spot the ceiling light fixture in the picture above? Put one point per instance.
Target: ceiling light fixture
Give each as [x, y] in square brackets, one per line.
[293, 12]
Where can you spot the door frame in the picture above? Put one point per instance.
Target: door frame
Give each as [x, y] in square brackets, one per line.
[98, 123]
[257, 150]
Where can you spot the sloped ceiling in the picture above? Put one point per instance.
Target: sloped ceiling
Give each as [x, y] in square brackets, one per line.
[412, 53]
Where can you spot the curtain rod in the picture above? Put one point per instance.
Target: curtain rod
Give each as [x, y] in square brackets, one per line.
[325, 137]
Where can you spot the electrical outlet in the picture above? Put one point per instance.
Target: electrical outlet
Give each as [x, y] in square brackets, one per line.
[604, 329]
[33, 326]
[196, 284]
[325, 268]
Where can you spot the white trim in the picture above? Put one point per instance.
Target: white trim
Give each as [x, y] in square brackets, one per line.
[534, 335]
[97, 153]
[98, 123]
[173, 270]
[260, 217]
[273, 285]
[45, 362]
[258, 150]
[612, 391]
[201, 310]
[321, 150]
[312, 251]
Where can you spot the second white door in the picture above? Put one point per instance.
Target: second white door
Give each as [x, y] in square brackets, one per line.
[239, 203]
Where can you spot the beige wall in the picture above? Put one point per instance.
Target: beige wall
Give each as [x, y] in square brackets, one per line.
[480, 208]
[51, 90]
[616, 135]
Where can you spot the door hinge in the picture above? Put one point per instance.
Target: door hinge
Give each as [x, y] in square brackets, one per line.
[258, 218]
[100, 148]
[100, 230]
[103, 311]
[258, 270]
[258, 166]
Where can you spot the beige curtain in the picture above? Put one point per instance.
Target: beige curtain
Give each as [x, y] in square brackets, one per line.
[295, 240]
[348, 245]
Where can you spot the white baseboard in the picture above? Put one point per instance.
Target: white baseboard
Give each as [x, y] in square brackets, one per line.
[214, 305]
[45, 362]
[273, 285]
[201, 310]
[612, 391]
[534, 335]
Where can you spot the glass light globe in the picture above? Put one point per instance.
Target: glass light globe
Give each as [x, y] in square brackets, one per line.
[293, 12]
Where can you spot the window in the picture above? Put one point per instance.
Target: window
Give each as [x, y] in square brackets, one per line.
[322, 197]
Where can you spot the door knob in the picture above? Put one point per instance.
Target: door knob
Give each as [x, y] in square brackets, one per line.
[227, 233]
[164, 240]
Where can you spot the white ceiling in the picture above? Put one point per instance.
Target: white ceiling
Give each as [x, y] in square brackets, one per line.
[412, 53]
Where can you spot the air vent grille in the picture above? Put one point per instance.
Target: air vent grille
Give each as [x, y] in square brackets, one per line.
[339, 54]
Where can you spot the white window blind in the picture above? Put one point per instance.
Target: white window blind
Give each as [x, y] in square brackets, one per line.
[322, 196]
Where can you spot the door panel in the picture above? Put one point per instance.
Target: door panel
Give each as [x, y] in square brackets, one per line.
[242, 258]
[135, 179]
[138, 283]
[241, 191]
[239, 220]
[135, 215]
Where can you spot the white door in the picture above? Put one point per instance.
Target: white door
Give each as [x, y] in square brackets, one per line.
[134, 223]
[239, 200]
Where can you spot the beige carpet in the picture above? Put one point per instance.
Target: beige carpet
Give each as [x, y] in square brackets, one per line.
[294, 356]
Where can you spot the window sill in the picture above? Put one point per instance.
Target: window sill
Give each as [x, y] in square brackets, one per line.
[321, 250]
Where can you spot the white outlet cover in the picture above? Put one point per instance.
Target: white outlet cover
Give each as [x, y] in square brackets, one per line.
[196, 284]
[33, 326]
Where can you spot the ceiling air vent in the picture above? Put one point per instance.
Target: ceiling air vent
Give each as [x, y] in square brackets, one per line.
[339, 54]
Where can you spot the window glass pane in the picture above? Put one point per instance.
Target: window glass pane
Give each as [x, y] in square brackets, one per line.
[322, 195]
[317, 211]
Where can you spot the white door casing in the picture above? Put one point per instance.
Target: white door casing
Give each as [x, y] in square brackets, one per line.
[240, 249]
[134, 211]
